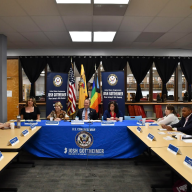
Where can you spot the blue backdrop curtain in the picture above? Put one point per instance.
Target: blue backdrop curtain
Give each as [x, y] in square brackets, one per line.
[89, 64]
[60, 64]
[165, 67]
[186, 67]
[114, 63]
[33, 66]
[139, 67]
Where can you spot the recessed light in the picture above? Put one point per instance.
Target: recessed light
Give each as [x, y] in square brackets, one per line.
[111, 1]
[73, 1]
[104, 36]
[154, 68]
[81, 36]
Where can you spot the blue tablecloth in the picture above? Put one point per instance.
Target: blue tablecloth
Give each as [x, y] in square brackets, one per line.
[69, 141]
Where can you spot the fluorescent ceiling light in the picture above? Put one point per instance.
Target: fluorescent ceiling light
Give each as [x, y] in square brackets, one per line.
[104, 36]
[111, 1]
[73, 1]
[81, 36]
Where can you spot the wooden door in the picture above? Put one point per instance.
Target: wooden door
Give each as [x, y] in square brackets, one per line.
[12, 88]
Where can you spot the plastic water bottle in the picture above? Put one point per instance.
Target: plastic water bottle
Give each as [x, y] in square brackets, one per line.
[18, 121]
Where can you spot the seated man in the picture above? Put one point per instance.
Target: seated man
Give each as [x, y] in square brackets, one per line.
[185, 124]
[4, 125]
[87, 113]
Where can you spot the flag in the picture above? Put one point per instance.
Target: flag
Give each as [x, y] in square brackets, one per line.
[71, 103]
[82, 88]
[95, 94]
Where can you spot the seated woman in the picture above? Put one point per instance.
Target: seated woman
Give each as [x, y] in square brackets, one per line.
[170, 118]
[58, 114]
[4, 125]
[113, 113]
[30, 111]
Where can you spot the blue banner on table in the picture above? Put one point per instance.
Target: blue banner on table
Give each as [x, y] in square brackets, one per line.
[113, 89]
[56, 90]
[85, 141]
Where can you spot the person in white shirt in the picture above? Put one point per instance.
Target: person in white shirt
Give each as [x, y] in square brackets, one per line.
[170, 118]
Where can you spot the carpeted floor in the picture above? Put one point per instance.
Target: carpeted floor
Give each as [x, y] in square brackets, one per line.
[53, 175]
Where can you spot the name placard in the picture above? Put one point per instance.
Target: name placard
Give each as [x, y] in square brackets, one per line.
[1, 156]
[28, 122]
[139, 129]
[52, 123]
[13, 141]
[173, 149]
[188, 162]
[25, 132]
[151, 137]
[32, 127]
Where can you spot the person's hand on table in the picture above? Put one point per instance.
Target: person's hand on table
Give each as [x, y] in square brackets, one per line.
[117, 119]
[3, 125]
[57, 119]
[167, 127]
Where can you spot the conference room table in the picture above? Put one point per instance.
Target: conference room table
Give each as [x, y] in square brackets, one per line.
[8, 134]
[69, 141]
[159, 138]
[176, 162]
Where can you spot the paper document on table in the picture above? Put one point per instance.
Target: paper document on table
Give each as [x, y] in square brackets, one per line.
[162, 129]
[168, 138]
[161, 133]
[187, 140]
[174, 133]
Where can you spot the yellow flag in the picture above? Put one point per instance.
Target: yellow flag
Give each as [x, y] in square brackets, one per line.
[82, 88]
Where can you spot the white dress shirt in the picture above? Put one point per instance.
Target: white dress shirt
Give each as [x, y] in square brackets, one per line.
[168, 120]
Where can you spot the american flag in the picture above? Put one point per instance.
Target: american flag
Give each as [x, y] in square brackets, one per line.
[71, 103]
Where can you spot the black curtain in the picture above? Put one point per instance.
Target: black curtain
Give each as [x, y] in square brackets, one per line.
[89, 64]
[113, 63]
[33, 66]
[165, 67]
[139, 67]
[186, 67]
[60, 64]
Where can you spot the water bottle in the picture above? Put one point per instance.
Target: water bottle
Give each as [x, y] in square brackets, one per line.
[18, 121]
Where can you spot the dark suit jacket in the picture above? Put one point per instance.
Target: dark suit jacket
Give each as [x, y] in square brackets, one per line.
[108, 115]
[92, 114]
[188, 127]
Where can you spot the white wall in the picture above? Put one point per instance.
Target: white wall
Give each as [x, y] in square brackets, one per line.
[101, 52]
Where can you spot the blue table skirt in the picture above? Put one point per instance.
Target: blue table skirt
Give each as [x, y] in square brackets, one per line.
[107, 142]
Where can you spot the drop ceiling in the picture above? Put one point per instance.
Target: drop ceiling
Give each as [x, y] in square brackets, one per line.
[142, 24]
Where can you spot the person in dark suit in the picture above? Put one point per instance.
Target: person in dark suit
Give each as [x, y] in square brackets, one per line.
[87, 113]
[185, 124]
[113, 113]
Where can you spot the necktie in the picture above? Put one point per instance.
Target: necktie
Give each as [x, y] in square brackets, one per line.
[186, 121]
[86, 114]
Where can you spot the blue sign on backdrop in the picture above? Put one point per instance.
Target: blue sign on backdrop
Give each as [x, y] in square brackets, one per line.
[113, 89]
[56, 90]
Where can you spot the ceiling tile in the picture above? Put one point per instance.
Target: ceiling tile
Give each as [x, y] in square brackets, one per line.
[140, 45]
[162, 45]
[184, 26]
[49, 23]
[162, 24]
[5, 28]
[39, 7]
[177, 8]
[113, 10]
[135, 23]
[177, 45]
[126, 36]
[170, 37]
[35, 37]
[145, 7]
[74, 9]
[58, 37]
[78, 23]
[21, 24]
[148, 37]
[11, 8]
[16, 37]
[106, 23]
[185, 39]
